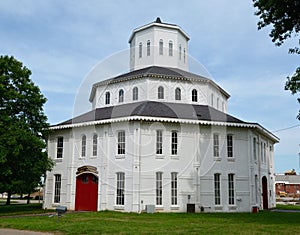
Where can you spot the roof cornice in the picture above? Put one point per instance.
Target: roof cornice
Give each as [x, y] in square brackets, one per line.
[261, 129]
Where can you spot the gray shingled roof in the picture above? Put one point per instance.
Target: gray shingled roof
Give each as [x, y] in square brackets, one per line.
[157, 71]
[155, 109]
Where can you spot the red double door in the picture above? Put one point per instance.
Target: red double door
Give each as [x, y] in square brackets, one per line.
[86, 198]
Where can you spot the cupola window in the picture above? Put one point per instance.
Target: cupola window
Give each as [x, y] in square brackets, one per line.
[148, 47]
[161, 47]
[194, 95]
[135, 93]
[121, 96]
[170, 48]
[107, 98]
[179, 51]
[177, 94]
[160, 93]
[140, 50]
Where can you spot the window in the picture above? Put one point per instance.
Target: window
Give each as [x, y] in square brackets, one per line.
[254, 148]
[231, 189]
[184, 55]
[174, 188]
[218, 100]
[121, 96]
[121, 142]
[170, 48]
[140, 50]
[261, 152]
[95, 143]
[212, 100]
[161, 47]
[265, 153]
[177, 94]
[216, 145]
[217, 189]
[60, 146]
[83, 146]
[179, 51]
[159, 142]
[159, 188]
[107, 98]
[256, 188]
[148, 47]
[57, 188]
[174, 143]
[160, 93]
[194, 95]
[120, 188]
[229, 146]
[135, 93]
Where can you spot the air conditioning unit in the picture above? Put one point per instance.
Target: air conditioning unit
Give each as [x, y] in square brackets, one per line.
[150, 209]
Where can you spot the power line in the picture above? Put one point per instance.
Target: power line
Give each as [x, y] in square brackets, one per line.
[287, 128]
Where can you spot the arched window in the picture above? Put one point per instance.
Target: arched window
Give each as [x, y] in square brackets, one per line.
[135, 93]
[107, 98]
[179, 51]
[121, 96]
[83, 146]
[184, 55]
[160, 92]
[194, 95]
[140, 50]
[177, 94]
[170, 48]
[161, 47]
[148, 47]
[95, 143]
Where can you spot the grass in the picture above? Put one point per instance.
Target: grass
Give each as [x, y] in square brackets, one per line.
[108, 222]
[21, 209]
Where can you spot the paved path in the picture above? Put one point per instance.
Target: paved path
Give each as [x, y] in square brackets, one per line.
[4, 231]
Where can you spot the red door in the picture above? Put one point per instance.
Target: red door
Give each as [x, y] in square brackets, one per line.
[86, 197]
[265, 192]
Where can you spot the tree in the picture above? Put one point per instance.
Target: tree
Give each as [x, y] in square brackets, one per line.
[284, 16]
[23, 129]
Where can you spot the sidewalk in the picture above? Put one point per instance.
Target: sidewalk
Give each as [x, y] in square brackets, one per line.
[6, 231]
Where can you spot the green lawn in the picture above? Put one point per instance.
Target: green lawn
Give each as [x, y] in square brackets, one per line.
[160, 223]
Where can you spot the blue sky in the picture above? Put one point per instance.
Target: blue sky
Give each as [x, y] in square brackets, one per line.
[60, 41]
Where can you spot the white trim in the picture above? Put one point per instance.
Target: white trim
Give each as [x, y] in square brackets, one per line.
[170, 120]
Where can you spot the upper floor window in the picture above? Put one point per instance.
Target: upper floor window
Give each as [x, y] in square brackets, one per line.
[170, 48]
[148, 47]
[160, 93]
[216, 145]
[121, 142]
[174, 143]
[229, 146]
[212, 100]
[135, 93]
[140, 50]
[184, 55]
[194, 95]
[254, 149]
[218, 100]
[83, 146]
[177, 94]
[60, 147]
[180, 52]
[159, 142]
[107, 98]
[121, 96]
[161, 47]
[95, 143]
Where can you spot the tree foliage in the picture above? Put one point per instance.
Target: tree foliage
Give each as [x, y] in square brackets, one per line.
[284, 16]
[23, 127]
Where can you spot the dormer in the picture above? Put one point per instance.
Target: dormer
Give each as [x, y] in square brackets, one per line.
[159, 44]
